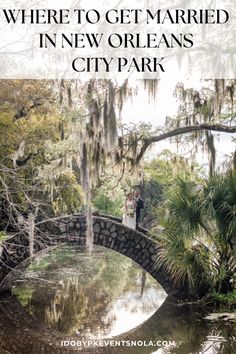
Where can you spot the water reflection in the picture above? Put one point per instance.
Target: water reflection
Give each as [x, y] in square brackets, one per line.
[75, 296]
[96, 296]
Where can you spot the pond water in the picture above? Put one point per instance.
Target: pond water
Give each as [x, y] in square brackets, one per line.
[68, 296]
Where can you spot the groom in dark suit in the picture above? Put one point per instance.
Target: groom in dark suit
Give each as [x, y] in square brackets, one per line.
[139, 206]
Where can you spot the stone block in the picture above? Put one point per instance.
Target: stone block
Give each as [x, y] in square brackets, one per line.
[130, 253]
[108, 225]
[146, 253]
[113, 228]
[122, 231]
[106, 242]
[96, 228]
[152, 250]
[122, 238]
[121, 245]
[143, 243]
[145, 263]
[137, 240]
[112, 244]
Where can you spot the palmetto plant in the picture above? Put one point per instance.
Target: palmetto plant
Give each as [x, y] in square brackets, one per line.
[198, 246]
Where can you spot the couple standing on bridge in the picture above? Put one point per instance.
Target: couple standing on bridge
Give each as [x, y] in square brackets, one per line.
[133, 205]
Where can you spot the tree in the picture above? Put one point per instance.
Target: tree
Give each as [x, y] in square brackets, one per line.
[201, 113]
[62, 136]
[30, 151]
[159, 176]
[109, 200]
[200, 227]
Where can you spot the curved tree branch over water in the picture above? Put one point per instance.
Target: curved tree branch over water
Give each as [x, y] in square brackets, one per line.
[221, 128]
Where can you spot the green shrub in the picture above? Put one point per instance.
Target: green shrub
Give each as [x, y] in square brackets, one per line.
[224, 299]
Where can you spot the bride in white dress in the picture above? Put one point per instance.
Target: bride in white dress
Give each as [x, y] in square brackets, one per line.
[129, 218]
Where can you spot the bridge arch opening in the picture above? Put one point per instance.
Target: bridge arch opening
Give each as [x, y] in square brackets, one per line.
[109, 232]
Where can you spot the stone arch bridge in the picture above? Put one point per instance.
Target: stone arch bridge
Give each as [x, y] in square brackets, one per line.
[108, 232]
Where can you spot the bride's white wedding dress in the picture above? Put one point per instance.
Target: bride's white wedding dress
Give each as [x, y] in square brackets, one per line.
[129, 218]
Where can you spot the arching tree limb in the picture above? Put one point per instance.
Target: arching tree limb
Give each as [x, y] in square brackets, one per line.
[183, 130]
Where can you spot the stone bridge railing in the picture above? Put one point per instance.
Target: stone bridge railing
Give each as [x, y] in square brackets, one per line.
[108, 232]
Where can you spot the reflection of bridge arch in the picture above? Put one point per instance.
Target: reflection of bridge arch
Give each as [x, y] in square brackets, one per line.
[169, 323]
[108, 232]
